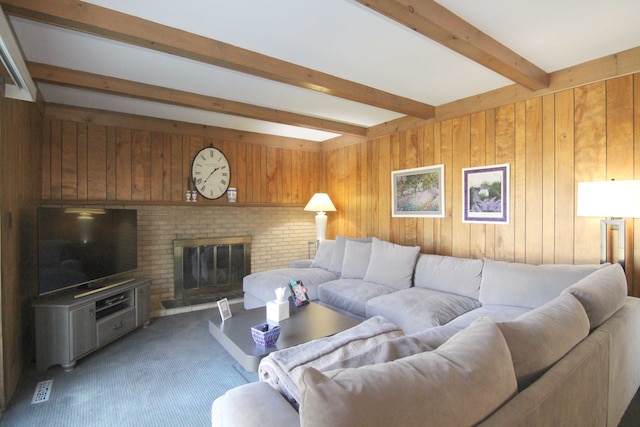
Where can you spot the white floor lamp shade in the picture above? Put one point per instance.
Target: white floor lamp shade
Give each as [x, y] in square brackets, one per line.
[320, 203]
[616, 200]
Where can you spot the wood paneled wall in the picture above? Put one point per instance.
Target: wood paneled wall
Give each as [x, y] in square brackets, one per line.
[552, 142]
[93, 162]
[20, 171]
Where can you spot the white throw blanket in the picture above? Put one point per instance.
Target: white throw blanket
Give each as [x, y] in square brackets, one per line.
[282, 369]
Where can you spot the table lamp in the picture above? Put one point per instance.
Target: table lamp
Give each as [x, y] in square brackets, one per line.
[320, 203]
[615, 200]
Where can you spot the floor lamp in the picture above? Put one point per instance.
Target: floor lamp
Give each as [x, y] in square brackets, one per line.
[615, 200]
[320, 203]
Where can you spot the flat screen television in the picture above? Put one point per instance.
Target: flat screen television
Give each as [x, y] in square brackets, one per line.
[84, 246]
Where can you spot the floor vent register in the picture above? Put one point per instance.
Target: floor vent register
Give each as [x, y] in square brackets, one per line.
[43, 390]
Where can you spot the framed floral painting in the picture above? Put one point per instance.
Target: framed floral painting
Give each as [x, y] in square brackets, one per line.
[418, 192]
[485, 195]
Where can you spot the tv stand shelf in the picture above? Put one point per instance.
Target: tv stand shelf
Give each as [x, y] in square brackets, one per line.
[113, 304]
[69, 327]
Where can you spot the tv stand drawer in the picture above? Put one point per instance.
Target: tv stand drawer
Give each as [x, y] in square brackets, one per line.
[115, 326]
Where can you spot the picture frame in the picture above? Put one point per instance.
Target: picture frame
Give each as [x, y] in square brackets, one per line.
[485, 194]
[225, 310]
[418, 192]
[299, 293]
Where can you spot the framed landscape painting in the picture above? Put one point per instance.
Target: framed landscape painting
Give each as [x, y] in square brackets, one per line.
[485, 195]
[418, 192]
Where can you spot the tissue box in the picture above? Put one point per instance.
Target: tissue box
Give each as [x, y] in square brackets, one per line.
[277, 311]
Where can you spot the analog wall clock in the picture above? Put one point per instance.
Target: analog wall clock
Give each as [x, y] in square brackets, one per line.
[210, 172]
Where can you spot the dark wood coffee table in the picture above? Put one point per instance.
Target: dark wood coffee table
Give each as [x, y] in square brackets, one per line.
[304, 324]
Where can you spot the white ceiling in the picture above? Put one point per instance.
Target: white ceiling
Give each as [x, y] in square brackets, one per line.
[339, 37]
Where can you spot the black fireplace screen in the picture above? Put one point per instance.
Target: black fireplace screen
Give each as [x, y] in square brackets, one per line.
[210, 265]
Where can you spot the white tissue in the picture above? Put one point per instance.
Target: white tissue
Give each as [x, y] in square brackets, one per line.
[280, 294]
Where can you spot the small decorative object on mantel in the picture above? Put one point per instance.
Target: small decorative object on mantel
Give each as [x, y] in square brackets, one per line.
[299, 293]
[225, 310]
[191, 194]
[278, 309]
[232, 194]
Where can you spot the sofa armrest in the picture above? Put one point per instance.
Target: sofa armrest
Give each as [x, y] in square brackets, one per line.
[572, 393]
[253, 405]
[624, 347]
[300, 263]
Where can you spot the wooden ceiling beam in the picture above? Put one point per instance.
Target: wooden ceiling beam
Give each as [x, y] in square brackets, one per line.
[79, 79]
[80, 16]
[441, 25]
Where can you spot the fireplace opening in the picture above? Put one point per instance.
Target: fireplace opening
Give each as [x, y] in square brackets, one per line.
[210, 266]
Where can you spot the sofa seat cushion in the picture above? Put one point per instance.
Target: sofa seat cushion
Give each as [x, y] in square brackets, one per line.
[262, 285]
[497, 313]
[351, 295]
[601, 293]
[416, 309]
[541, 337]
[526, 285]
[230, 409]
[460, 276]
[461, 383]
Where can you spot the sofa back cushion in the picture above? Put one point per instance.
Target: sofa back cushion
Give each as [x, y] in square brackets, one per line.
[461, 383]
[324, 254]
[449, 274]
[525, 285]
[391, 265]
[602, 293]
[335, 265]
[356, 259]
[541, 337]
[339, 252]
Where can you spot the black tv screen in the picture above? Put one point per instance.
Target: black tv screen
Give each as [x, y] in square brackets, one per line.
[83, 246]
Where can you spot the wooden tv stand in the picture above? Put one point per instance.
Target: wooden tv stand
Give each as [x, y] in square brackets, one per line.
[73, 324]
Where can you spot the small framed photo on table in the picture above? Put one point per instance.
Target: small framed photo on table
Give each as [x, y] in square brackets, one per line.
[299, 293]
[225, 310]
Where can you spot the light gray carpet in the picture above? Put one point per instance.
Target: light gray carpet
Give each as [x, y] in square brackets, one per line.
[165, 375]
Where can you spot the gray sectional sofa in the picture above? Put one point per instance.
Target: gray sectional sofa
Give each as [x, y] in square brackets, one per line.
[476, 342]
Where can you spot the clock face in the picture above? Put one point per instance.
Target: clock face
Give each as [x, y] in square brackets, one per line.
[210, 172]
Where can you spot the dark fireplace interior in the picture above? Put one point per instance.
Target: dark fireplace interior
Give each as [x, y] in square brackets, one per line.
[209, 269]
